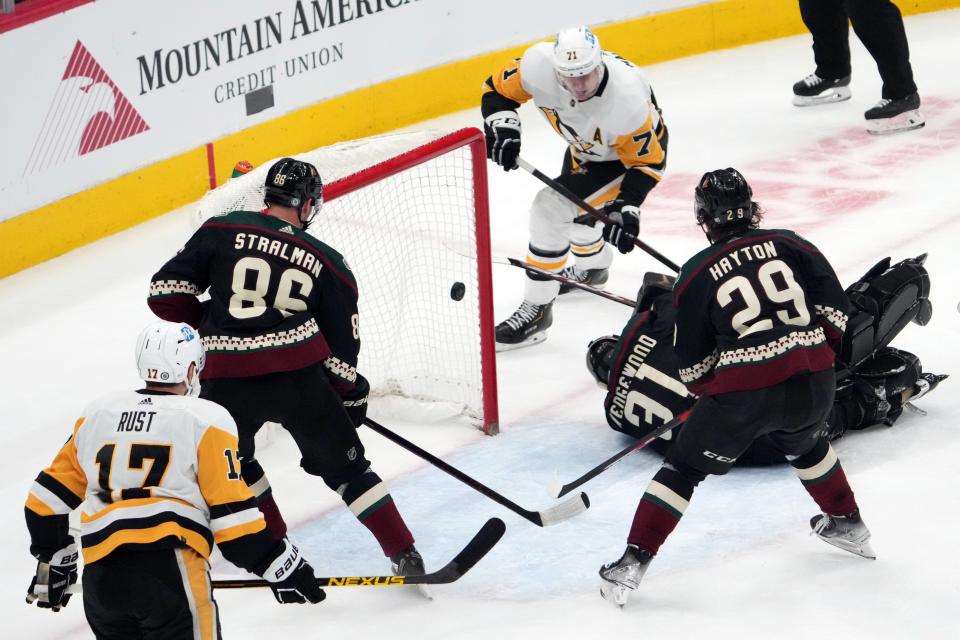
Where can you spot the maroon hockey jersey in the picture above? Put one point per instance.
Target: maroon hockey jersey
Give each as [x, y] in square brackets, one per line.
[754, 311]
[280, 299]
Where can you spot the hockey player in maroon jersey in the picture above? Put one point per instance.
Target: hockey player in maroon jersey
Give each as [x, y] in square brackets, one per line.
[759, 315]
[154, 474]
[639, 368]
[606, 112]
[282, 336]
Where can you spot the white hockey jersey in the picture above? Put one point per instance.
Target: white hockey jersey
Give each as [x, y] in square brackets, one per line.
[147, 467]
[620, 122]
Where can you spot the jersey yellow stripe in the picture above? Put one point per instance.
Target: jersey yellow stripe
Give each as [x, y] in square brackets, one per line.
[38, 506]
[234, 532]
[131, 504]
[145, 536]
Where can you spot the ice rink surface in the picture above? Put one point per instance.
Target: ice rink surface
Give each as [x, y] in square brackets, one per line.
[741, 563]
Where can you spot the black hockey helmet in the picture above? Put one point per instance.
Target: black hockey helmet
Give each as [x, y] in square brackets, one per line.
[654, 285]
[290, 183]
[600, 357]
[723, 204]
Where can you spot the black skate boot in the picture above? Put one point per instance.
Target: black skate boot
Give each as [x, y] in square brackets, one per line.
[814, 90]
[619, 578]
[927, 383]
[409, 562]
[594, 277]
[527, 326]
[844, 532]
[892, 116]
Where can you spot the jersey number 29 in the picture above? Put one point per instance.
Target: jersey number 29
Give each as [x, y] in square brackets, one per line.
[745, 321]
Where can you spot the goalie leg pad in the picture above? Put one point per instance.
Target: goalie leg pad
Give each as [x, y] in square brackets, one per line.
[884, 301]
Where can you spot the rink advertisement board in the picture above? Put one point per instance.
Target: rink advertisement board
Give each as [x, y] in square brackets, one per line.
[116, 85]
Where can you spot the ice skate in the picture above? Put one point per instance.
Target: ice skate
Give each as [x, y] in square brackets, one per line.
[814, 90]
[893, 116]
[619, 578]
[594, 277]
[527, 326]
[844, 532]
[927, 383]
[410, 563]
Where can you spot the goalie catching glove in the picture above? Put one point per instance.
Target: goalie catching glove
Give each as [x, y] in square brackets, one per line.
[49, 586]
[292, 579]
[502, 130]
[623, 226]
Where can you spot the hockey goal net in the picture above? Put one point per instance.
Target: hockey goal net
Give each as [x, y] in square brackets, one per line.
[409, 214]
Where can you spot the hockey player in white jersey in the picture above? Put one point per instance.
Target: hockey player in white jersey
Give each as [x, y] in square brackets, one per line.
[157, 475]
[617, 152]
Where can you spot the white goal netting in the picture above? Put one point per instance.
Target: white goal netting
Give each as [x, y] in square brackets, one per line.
[409, 215]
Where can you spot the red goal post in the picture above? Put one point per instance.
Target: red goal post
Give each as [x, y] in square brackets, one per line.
[410, 214]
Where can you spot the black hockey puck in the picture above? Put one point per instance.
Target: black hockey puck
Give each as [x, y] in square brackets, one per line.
[457, 290]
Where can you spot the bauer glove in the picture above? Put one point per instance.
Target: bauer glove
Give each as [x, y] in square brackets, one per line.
[292, 579]
[355, 402]
[502, 130]
[624, 225]
[49, 586]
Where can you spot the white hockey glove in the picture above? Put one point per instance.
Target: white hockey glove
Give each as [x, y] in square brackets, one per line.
[502, 130]
[624, 225]
[49, 586]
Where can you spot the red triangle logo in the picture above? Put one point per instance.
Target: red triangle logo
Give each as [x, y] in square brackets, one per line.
[88, 112]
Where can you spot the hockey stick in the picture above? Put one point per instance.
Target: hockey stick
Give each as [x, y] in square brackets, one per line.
[558, 491]
[591, 211]
[513, 262]
[545, 518]
[484, 540]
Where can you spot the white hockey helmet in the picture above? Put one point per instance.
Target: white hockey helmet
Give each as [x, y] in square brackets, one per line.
[576, 52]
[165, 351]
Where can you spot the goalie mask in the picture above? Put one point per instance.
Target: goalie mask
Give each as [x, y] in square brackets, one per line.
[577, 62]
[165, 351]
[723, 204]
[600, 358]
[290, 183]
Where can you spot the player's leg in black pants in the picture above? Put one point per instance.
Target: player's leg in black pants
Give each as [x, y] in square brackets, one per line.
[827, 22]
[879, 25]
[150, 594]
[331, 449]
[808, 401]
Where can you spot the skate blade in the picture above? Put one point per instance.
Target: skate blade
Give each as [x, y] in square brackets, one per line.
[615, 593]
[529, 342]
[837, 94]
[906, 121]
[862, 549]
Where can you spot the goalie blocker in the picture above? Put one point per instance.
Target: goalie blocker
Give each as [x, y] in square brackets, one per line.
[640, 372]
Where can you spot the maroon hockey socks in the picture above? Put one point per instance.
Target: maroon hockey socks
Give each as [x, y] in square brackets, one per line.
[822, 476]
[368, 499]
[660, 509]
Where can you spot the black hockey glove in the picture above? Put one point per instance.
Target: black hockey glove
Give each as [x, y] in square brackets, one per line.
[292, 579]
[502, 130]
[49, 587]
[355, 403]
[624, 225]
